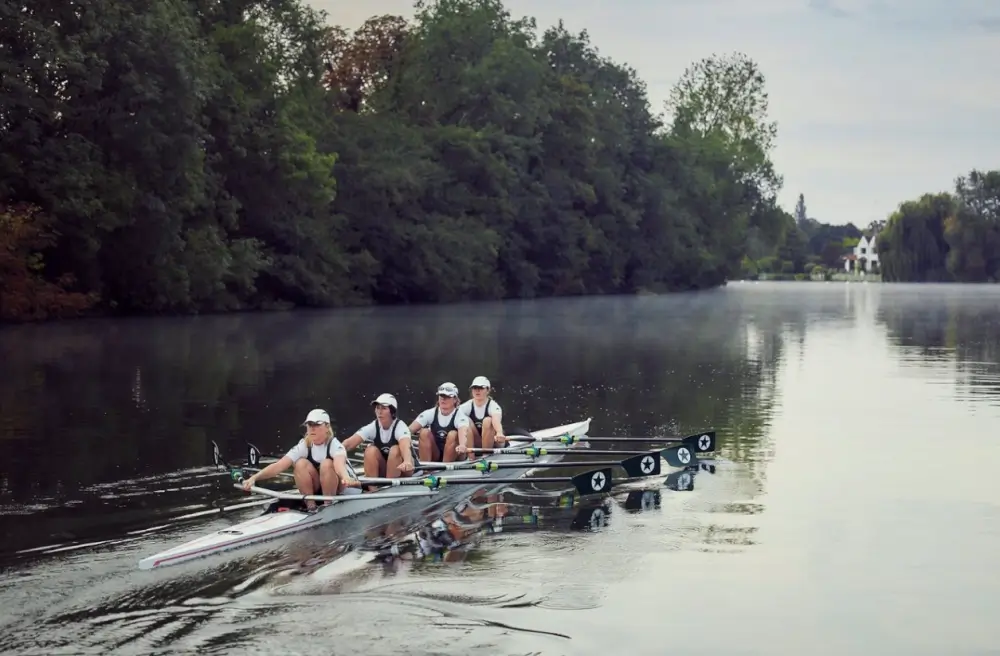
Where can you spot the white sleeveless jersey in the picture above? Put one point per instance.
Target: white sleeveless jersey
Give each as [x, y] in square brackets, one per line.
[317, 451]
[373, 432]
[477, 413]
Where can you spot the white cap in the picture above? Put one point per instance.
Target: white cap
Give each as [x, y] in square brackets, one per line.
[448, 389]
[386, 399]
[480, 381]
[317, 416]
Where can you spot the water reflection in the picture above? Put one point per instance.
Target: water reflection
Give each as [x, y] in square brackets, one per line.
[953, 330]
[143, 397]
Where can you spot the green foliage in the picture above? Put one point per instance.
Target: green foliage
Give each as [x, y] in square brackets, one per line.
[201, 156]
[946, 236]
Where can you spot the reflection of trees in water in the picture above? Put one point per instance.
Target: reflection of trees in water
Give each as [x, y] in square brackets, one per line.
[775, 318]
[142, 395]
[951, 328]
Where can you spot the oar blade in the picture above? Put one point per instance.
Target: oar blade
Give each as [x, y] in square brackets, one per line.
[253, 455]
[679, 456]
[644, 464]
[596, 481]
[217, 456]
[700, 442]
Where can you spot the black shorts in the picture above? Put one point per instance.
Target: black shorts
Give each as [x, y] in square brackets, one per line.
[383, 450]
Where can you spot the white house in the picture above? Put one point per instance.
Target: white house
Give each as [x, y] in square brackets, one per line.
[864, 255]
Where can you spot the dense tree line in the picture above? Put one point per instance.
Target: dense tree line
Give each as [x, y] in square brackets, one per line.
[946, 236]
[805, 245]
[941, 237]
[210, 155]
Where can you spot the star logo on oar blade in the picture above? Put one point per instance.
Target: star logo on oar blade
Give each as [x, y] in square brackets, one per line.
[684, 455]
[597, 481]
[647, 464]
[704, 442]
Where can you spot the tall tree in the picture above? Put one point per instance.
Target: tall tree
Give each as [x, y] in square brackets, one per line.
[728, 95]
[800, 211]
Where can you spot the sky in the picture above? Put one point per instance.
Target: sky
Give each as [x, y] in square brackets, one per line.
[877, 101]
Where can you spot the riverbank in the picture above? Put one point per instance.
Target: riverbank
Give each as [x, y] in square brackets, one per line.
[817, 277]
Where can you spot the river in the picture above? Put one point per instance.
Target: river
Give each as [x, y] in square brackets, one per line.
[853, 505]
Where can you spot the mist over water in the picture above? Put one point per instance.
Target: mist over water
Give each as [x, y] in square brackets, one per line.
[851, 508]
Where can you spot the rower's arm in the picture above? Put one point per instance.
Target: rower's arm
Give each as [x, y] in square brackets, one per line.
[405, 449]
[498, 425]
[463, 434]
[340, 466]
[353, 441]
[416, 426]
[273, 469]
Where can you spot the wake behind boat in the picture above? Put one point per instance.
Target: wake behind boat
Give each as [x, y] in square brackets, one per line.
[279, 520]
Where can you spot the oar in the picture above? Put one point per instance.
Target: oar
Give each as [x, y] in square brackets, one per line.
[645, 463]
[699, 442]
[236, 473]
[219, 461]
[254, 457]
[703, 442]
[591, 482]
[676, 456]
[339, 498]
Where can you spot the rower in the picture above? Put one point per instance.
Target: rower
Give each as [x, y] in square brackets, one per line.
[443, 430]
[485, 415]
[318, 462]
[389, 453]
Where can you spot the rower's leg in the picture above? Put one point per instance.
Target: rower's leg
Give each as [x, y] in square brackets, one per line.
[306, 479]
[373, 464]
[428, 449]
[488, 433]
[393, 463]
[475, 441]
[328, 479]
[450, 442]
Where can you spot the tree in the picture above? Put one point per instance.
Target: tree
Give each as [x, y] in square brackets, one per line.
[912, 247]
[188, 156]
[360, 64]
[973, 232]
[728, 95]
[800, 211]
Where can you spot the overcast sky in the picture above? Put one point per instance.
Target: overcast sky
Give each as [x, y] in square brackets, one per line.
[876, 101]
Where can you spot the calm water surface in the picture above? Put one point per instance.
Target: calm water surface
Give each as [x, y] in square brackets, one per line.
[853, 507]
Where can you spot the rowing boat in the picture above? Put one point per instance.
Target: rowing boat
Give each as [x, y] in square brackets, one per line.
[272, 525]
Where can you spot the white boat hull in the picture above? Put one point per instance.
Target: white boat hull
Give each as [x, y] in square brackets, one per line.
[274, 525]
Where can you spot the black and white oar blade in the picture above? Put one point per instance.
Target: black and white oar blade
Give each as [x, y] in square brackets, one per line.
[700, 442]
[679, 456]
[644, 464]
[217, 456]
[253, 455]
[596, 481]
